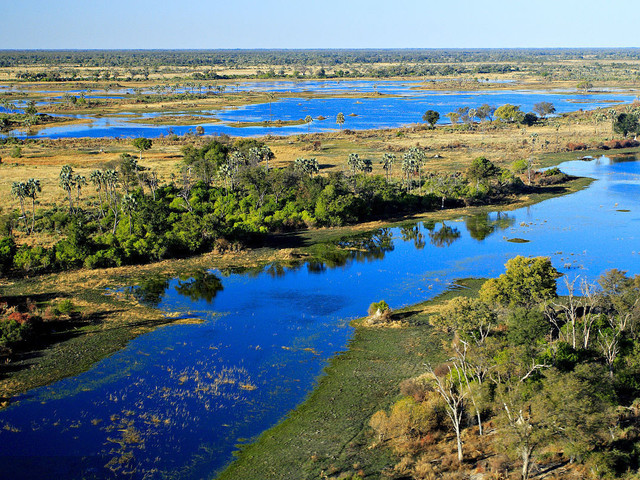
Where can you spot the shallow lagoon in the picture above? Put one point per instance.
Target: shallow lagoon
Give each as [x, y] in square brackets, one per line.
[402, 103]
[175, 402]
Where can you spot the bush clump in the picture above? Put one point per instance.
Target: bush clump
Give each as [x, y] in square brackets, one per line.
[378, 308]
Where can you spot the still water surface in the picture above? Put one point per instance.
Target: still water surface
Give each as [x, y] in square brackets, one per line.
[402, 103]
[176, 402]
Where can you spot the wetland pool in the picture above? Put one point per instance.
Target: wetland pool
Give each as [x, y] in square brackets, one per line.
[401, 103]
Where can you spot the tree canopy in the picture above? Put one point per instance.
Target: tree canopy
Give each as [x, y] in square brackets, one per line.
[527, 281]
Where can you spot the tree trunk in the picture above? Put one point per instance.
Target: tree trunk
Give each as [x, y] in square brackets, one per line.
[526, 462]
[33, 215]
[24, 215]
[116, 220]
[70, 200]
[459, 443]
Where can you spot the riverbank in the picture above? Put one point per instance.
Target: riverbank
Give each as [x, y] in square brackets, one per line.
[329, 434]
[106, 323]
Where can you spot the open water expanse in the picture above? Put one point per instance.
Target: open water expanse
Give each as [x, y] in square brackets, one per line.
[177, 401]
[401, 103]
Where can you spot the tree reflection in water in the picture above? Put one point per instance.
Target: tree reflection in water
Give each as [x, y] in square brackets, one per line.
[413, 233]
[444, 237]
[150, 290]
[202, 285]
[482, 225]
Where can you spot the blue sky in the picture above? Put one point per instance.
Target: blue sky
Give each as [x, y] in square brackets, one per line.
[314, 24]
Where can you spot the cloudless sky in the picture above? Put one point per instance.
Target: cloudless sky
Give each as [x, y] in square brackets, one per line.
[174, 24]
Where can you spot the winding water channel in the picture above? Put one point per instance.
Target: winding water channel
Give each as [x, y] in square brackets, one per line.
[176, 402]
[400, 103]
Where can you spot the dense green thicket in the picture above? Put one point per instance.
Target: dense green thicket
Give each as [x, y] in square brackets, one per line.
[554, 379]
[226, 197]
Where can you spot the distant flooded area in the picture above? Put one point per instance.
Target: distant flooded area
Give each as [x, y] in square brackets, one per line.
[366, 104]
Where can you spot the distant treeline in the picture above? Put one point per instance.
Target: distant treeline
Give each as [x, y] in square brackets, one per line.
[233, 58]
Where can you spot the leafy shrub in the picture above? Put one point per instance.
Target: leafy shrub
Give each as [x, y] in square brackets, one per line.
[33, 259]
[379, 308]
[14, 328]
[552, 171]
[7, 252]
[65, 307]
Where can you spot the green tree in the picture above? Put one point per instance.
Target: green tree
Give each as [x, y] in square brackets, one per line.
[308, 120]
[484, 112]
[529, 119]
[206, 160]
[431, 117]
[128, 169]
[31, 108]
[544, 108]
[526, 282]
[340, 120]
[585, 86]
[453, 117]
[509, 113]
[7, 252]
[256, 181]
[626, 123]
[470, 318]
[482, 170]
[142, 144]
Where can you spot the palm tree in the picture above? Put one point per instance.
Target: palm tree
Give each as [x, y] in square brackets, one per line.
[32, 189]
[79, 181]
[67, 182]
[308, 120]
[110, 181]
[387, 163]
[19, 190]
[306, 166]
[340, 120]
[129, 205]
[97, 179]
[266, 154]
[409, 168]
[354, 163]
